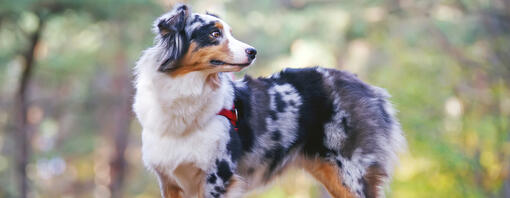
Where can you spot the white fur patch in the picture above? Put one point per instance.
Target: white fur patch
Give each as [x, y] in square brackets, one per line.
[179, 116]
[286, 121]
[236, 47]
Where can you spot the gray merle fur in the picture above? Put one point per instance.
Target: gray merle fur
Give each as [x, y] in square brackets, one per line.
[318, 104]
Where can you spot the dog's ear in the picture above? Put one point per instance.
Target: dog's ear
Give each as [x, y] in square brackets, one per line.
[171, 29]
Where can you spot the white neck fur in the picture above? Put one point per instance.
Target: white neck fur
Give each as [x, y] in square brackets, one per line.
[177, 105]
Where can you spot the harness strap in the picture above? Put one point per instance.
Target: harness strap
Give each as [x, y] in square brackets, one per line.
[231, 115]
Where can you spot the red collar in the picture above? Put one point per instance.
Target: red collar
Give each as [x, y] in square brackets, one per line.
[231, 115]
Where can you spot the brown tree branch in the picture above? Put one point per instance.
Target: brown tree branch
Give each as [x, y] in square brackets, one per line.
[21, 111]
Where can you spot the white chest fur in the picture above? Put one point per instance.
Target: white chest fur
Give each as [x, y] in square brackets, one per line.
[179, 117]
[198, 147]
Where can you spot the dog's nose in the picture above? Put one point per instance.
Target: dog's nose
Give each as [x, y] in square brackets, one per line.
[251, 52]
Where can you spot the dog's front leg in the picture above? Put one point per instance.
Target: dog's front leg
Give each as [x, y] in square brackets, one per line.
[221, 182]
[168, 187]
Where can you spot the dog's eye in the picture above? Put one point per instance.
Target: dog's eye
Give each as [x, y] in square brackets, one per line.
[215, 34]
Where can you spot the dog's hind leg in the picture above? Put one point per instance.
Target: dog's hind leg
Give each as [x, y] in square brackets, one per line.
[328, 174]
[373, 182]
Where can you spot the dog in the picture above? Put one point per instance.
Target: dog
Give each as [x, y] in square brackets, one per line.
[207, 135]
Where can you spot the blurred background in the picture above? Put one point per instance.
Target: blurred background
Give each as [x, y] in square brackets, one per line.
[66, 127]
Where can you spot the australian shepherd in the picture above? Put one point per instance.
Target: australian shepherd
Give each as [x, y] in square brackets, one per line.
[206, 135]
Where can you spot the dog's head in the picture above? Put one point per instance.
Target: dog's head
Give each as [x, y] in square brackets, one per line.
[198, 42]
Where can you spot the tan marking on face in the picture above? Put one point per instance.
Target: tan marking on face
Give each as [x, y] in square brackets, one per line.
[329, 175]
[219, 25]
[198, 59]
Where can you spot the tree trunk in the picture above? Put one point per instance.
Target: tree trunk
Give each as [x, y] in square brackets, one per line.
[123, 93]
[23, 128]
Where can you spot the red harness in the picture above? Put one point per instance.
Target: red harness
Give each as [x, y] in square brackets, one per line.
[231, 115]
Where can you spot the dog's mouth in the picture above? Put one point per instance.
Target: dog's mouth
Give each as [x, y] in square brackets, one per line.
[218, 62]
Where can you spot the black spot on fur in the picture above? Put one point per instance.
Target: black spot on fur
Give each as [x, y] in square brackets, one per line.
[224, 171]
[234, 144]
[220, 189]
[215, 195]
[339, 164]
[280, 105]
[275, 156]
[197, 19]
[211, 179]
[276, 136]
[273, 115]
